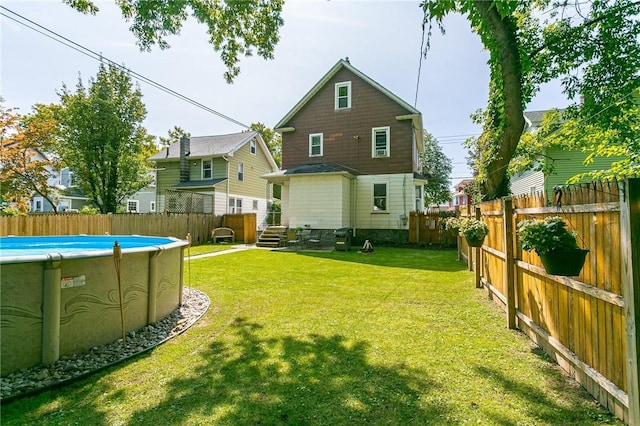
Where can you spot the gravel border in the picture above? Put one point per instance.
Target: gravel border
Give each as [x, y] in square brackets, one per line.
[70, 368]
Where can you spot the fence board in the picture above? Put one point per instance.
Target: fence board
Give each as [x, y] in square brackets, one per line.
[583, 317]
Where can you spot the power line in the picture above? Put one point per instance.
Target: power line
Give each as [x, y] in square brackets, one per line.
[94, 55]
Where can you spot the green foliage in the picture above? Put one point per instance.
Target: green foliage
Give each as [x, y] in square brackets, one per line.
[473, 228]
[173, 136]
[89, 210]
[436, 167]
[104, 142]
[272, 139]
[593, 47]
[235, 28]
[545, 235]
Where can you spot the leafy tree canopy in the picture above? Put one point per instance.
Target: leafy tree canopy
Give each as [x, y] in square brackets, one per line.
[436, 166]
[591, 46]
[272, 139]
[104, 142]
[235, 28]
[173, 136]
[26, 155]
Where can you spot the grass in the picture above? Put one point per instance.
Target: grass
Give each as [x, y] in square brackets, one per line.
[208, 248]
[396, 337]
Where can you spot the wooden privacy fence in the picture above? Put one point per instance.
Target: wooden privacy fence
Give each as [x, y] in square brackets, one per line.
[244, 226]
[588, 324]
[161, 225]
[428, 228]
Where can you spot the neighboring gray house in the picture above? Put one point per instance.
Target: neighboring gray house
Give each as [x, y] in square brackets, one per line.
[143, 201]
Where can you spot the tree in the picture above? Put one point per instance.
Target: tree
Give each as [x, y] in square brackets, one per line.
[272, 139]
[173, 136]
[594, 49]
[436, 166]
[104, 142]
[26, 155]
[235, 28]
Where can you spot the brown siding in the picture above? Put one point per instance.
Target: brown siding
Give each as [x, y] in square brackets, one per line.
[347, 133]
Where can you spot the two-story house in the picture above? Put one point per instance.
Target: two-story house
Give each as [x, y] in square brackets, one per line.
[350, 158]
[460, 197]
[225, 170]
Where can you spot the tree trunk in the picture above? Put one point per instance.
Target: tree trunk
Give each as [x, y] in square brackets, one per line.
[503, 30]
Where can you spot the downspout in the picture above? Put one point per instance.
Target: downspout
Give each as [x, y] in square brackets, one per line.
[228, 178]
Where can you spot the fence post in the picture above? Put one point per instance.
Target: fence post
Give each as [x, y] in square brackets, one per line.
[630, 241]
[477, 255]
[509, 276]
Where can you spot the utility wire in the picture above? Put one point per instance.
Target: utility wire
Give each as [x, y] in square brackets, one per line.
[97, 56]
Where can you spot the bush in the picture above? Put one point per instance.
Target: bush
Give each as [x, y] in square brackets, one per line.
[545, 235]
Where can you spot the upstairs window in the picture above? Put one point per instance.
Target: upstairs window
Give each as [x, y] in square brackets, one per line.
[380, 142]
[132, 206]
[207, 169]
[241, 172]
[315, 145]
[252, 147]
[343, 95]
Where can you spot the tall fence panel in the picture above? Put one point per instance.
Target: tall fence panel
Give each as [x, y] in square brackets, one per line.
[428, 228]
[161, 225]
[580, 321]
[244, 226]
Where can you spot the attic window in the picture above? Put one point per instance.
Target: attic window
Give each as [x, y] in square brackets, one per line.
[252, 147]
[343, 95]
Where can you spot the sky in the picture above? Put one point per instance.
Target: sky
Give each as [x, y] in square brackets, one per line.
[381, 38]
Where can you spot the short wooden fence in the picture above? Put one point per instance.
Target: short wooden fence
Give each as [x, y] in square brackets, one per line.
[589, 324]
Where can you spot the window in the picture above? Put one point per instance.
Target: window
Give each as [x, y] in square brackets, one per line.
[380, 138]
[207, 169]
[315, 145]
[235, 205]
[72, 179]
[152, 206]
[255, 204]
[419, 203]
[132, 206]
[343, 95]
[379, 197]
[252, 147]
[241, 172]
[37, 204]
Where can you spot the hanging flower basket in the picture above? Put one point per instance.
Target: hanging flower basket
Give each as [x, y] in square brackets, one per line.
[567, 262]
[474, 242]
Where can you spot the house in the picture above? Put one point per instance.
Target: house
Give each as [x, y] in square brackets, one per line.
[566, 164]
[350, 158]
[215, 174]
[460, 197]
[144, 200]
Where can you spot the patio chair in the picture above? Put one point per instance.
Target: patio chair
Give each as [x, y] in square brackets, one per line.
[313, 238]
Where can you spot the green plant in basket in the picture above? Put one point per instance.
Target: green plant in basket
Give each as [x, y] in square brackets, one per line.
[543, 236]
[452, 224]
[555, 244]
[473, 229]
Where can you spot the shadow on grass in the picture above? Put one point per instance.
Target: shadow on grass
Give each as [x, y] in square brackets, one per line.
[313, 380]
[429, 260]
[540, 406]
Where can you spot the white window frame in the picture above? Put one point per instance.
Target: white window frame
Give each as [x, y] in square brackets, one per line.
[235, 205]
[252, 146]
[240, 172]
[419, 200]
[136, 203]
[338, 86]
[311, 146]
[255, 204]
[38, 204]
[152, 207]
[203, 170]
[376, 206]
[377, 152]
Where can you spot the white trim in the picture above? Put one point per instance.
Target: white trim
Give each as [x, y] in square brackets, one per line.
[338, 86]
[380, 153]
[240, 174]
[311, 136]
[252, 147]
[375, 209]
[137, 204]
[202, 168]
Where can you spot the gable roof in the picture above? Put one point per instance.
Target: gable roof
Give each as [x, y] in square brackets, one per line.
[323, 81]
[214, 146]
[533, 119]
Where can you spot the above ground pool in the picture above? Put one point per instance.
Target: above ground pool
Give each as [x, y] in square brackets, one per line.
[59, 295]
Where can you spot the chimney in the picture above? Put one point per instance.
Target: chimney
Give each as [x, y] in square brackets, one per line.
[185, 148]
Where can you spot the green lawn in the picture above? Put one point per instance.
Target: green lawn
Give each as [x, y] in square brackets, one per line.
[208, 248]
[396, 337]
